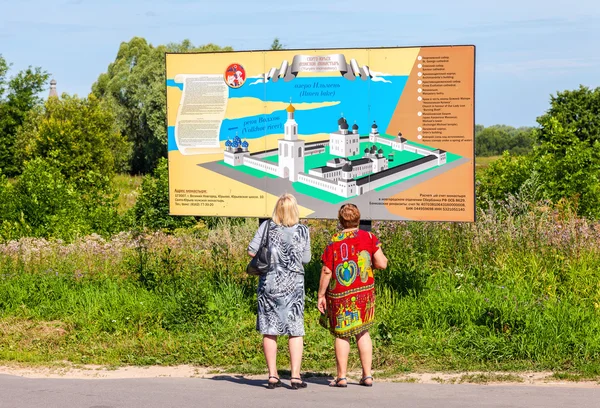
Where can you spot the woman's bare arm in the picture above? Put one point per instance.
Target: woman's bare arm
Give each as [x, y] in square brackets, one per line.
[379, 260]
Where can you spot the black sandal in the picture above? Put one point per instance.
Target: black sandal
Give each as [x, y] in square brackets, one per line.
[336, 383]
[363, 381]
[297, 385]
[273, 385]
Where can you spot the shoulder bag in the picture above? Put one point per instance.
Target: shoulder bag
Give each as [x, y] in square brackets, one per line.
[260, 263]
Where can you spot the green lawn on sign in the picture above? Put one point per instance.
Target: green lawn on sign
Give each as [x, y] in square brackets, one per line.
[320, 160]
[450, 157]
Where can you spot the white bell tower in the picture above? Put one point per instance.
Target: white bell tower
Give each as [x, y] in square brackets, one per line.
[291, 149]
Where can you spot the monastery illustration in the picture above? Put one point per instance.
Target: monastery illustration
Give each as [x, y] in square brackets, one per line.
[340, 176]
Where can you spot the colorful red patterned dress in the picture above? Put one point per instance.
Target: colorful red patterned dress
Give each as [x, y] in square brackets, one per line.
[351, 292]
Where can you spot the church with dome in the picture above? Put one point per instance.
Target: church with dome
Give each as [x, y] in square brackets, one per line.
[343, 142]
[290, 152]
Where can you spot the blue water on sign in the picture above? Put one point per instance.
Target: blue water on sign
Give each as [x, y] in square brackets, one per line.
[361, 102]
[171, 82]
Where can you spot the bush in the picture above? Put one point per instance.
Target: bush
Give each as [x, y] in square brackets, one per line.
[79, 137]
[151, 209]
[43, 203]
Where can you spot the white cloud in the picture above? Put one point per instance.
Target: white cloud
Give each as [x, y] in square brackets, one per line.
[380, 79]
[258, 81]
[379, 74]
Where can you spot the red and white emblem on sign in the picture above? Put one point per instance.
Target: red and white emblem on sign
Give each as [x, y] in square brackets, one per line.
[235, 76]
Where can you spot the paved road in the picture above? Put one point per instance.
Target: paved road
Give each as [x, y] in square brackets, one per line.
[232, 391]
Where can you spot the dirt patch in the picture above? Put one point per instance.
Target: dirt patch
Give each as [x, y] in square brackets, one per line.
[29, 331]
[70, 371]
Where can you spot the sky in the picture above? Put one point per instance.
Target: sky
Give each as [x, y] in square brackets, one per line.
[526, 50]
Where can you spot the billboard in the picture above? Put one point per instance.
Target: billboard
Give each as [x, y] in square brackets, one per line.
[388, 129]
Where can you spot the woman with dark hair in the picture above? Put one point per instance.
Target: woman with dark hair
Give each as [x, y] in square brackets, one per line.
[347, 291]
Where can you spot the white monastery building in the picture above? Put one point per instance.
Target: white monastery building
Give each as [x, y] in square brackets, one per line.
[340, 176]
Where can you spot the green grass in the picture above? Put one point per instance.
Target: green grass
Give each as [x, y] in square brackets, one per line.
[485, 378]
[508, 293]
[127, 187]
[481, 163]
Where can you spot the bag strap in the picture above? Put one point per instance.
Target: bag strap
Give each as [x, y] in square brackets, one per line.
[265, 238]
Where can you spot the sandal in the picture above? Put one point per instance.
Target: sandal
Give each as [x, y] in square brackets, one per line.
[296, 385]
[275, 384]
[363, 381]
[336, 383]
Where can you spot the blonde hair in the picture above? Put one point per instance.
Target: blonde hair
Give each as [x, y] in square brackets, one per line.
[349, 216]
[286, 211]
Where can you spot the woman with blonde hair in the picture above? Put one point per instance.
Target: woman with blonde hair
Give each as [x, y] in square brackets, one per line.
[347, 291]
[281, 290]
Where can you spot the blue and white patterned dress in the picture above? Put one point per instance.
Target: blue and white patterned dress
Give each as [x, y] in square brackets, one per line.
[281, 290]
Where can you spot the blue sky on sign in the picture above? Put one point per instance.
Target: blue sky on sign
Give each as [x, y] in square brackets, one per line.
[526, 49]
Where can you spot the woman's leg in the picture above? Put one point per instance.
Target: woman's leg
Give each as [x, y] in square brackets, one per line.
[365, 349]
[296, 346]
[270, 350]
[342, 350]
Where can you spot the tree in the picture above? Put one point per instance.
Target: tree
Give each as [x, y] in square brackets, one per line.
[575, 111]
[568, 155]
[276, 45]
[134, 86]
[77, 136]
[565, 161]
[494, 140]
[568, 166]
[18, 96]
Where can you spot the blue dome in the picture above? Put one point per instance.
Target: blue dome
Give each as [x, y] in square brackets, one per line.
[245, 144]
[228, 143]
[237, 139]
[235, 144]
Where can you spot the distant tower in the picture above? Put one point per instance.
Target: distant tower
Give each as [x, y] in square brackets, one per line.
[291, 149]
[374, 128]
[53, 91]
[374, 133]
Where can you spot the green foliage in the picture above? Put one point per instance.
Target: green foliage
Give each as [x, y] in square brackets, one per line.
[151, 209]
[495, 140]
[564, 165]
[503, 177]
[277, 45]
[77, 136]
[44, 203]
[18, 96]
[568, 161]
[134, 86]
[509, 292]
[568, 155]
[575, 111]
[48, 203]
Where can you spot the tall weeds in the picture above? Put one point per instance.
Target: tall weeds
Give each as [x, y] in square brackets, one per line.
[518, 289]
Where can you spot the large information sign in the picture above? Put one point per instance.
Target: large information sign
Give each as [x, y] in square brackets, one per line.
[388, 129]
